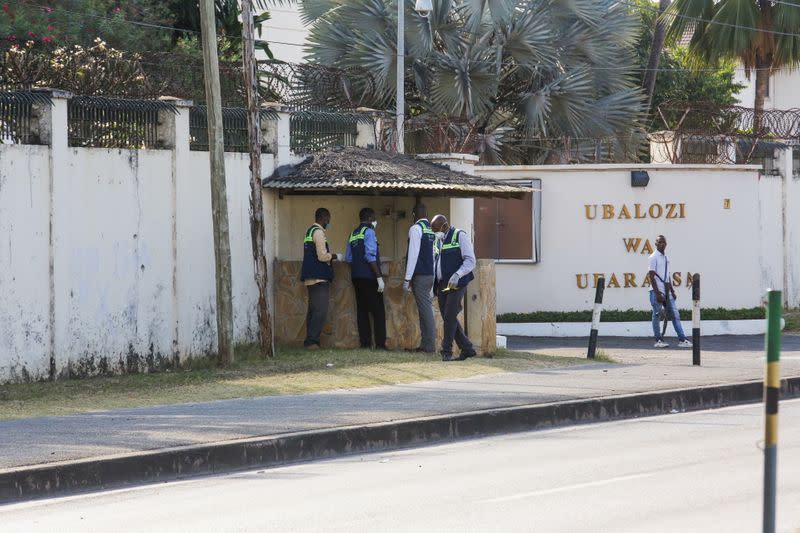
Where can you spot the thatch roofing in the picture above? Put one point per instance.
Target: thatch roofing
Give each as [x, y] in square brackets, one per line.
[354, 170]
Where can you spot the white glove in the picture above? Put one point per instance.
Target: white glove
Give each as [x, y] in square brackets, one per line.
[453, 283]
[407, 285]
[381, 285]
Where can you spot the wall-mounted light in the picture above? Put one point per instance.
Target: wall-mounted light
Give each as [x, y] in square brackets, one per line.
[639, 178]
[423, 7]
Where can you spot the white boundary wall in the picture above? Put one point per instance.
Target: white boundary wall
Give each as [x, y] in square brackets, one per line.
[106, 255]
[739, 251]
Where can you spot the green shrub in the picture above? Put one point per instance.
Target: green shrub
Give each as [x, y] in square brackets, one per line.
[631, 315]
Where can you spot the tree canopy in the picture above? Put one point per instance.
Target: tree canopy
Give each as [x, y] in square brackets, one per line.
[762, 35]
[680, 78]
[493, 71]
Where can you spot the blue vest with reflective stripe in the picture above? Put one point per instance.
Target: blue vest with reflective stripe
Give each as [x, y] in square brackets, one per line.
[425, 258]
[312, 267]
[451, 259]
[359, 267]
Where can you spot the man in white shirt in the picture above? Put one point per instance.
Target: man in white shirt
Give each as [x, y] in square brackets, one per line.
[419, 276]
[663, 295]
[454, 265]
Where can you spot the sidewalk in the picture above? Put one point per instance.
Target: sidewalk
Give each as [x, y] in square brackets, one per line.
[640, 369]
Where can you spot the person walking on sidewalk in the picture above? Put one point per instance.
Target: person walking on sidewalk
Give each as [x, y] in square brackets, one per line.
[454, 266]
[317, 275]
[363, 254]
[419, 275]
[662, 295]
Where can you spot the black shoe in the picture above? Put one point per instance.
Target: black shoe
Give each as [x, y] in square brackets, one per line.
[465, 355]
[448, 357]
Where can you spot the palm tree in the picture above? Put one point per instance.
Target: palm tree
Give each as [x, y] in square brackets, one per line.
[763, 35]
[481, 75]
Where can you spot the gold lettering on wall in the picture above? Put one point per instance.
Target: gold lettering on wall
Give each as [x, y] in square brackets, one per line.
[672, 211]
[628, 280]
[632, 244]
[623, 212]
[655, 211]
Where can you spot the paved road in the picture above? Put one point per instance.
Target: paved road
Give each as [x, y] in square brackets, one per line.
[689, 472]
[716, 350]
[52, 439]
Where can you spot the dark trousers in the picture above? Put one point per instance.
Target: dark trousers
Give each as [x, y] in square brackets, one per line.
[450, 304]
[318, 298]
[370, 302]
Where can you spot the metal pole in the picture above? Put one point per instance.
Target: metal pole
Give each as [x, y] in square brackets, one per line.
[598, 307]
[696, 319]
[401, 53]
[772, 387]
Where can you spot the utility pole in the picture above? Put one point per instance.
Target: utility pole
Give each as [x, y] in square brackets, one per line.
[400, 96]
[219, 202]
[256, 207]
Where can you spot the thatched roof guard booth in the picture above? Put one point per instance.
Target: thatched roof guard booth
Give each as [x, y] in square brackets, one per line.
[344, 180]
[361, 171]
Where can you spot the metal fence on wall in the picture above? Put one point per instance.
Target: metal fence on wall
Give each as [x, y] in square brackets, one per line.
[18, 120]
[234, 124]
[97, 122]
[312, 131]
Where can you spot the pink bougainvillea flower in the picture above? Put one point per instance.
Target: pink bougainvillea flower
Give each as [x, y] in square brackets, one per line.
[117, 9]
[6, 8]
[31, 34]
[47, 39]
[50, 27]
[48, 9]
[12, 37]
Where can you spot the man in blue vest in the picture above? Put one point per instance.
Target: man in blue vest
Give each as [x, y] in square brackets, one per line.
[419, 275]
[365, 270]
[454, 266]
[317, 275]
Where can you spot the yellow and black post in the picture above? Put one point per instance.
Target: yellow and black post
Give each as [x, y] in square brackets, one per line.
[772, 388]
[696, 320]
[598, 308]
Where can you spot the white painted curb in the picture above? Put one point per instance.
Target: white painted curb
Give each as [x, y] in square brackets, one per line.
[502, 342]
[631, 329]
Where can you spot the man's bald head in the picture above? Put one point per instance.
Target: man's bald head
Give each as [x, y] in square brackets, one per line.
[439, 223]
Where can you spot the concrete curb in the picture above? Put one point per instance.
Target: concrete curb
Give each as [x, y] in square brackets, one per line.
[69, 477]
[628, 329]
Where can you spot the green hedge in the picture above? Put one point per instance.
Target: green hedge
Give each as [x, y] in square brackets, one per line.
[631, 315]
